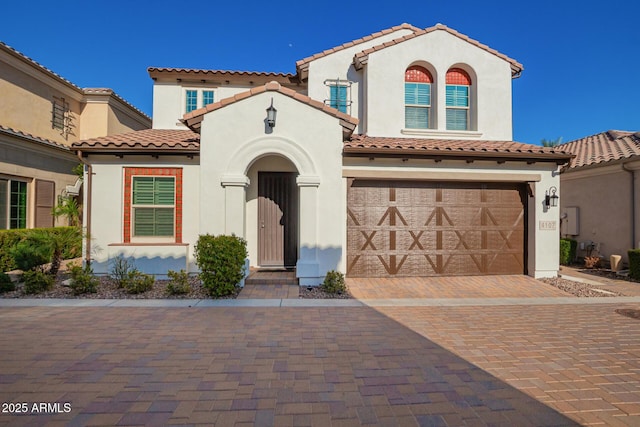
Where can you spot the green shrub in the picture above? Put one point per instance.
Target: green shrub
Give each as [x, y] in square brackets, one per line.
[28, 255]
[334, 283]
[634, 263]
[137, 282]
[568, 249]
[6, 285]
[37, 281]
[179, 283]
[10, 238]
[221, 261]
[83, 280]
[121, 269]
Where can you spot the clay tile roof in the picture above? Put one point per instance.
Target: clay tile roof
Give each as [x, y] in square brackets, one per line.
[193, 119]
[32, 138]
[361, 58]
[156, 140]
[304, 63]
[418, 147]
[219, 73]
[603, 148]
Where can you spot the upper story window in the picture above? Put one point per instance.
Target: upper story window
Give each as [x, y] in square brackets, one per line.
[61, 116]
[457, 97]
[207, 97]
[197, 98]
[13, 204]
[417, 98]
[339, 95]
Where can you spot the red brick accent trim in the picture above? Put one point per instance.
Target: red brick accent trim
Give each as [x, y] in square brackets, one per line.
[457, 76]
[129, 173]
[417, 74]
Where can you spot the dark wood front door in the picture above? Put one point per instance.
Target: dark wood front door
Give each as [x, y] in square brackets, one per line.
[400, 228]
[277, 219]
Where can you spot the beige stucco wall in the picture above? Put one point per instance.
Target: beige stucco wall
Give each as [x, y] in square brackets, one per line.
[603, 196]
[29, 162]
[26, 102]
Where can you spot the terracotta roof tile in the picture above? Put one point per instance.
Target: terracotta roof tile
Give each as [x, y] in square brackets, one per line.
[148, 139]
[363, 144]
[194, 118]
[603, 148]
[304, 63]
[361, 58]
[220, 73]
[32, 138]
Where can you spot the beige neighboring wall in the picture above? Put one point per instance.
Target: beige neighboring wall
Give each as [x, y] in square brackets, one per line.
[603, 197]
[105, 113]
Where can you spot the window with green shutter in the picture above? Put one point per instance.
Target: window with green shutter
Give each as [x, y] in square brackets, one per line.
[13, 204]
[417, 97]
[457, 99]
[153, 205]
[191, 101]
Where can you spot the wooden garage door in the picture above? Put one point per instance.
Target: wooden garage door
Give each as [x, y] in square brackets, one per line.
[434, 229]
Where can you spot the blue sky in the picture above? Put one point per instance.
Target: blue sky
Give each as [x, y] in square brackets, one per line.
[581, 58]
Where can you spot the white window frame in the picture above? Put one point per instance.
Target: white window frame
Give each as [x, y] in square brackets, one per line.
[199, 97]
[329, 83]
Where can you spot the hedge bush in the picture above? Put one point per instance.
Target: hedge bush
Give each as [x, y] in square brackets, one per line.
[37, 281]
[6, 285]
[634, 263]
[179, 283]
[221, 261]
[10, 238]
[82, 280]
[568, 248]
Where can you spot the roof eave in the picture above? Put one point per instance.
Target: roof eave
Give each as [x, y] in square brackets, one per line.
[558, 158]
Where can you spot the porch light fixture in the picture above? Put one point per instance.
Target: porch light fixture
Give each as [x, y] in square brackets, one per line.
[271, 115]
[551, 198]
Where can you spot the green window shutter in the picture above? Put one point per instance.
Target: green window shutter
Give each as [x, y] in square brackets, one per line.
[164, 222]
[338, 98]
[143, 190]
[143, 222]
[164, 191]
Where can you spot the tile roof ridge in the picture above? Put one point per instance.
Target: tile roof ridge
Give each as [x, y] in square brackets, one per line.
[360, 57]
[404, 26]
[213, 71]
[194, 117]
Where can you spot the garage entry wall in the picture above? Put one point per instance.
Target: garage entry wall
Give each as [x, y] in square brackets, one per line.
[426, 228]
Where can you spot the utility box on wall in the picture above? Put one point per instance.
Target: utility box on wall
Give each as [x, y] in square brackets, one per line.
[570, 221]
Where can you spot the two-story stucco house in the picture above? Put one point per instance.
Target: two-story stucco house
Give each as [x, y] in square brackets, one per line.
[41, 115]
[390, 155]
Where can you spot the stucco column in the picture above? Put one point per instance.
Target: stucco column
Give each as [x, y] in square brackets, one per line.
[235, 204]
[307, 268]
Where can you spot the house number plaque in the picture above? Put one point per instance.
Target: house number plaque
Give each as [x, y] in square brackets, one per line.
[547, 225]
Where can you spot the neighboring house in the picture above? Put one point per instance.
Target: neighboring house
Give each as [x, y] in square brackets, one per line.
[601, 193]
[390, 155]
[41, 115]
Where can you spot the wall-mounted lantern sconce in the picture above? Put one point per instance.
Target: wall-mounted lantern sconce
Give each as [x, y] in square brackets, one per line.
[271, 115]
[551, 198]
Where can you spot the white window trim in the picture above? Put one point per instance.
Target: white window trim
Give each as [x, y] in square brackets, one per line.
[199, 96]
[343, 83]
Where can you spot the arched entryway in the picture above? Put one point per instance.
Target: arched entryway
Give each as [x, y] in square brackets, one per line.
[273, 212]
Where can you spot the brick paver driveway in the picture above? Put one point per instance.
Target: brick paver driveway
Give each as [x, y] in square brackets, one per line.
[541, 364]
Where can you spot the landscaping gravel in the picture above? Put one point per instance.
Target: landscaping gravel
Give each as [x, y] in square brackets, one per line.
[580, 289]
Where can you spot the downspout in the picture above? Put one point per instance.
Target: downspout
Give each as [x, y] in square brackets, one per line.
[633, 204]
[87, 249]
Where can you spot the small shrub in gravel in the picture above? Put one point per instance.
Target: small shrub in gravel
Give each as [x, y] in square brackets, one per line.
[121, 268]
[6, 285]
[137, 282]
[179, 283]
[82, 280]
[334, 283]
[37, 281]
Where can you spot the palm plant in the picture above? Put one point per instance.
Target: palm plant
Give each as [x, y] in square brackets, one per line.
[68, 207]
[55, 243]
